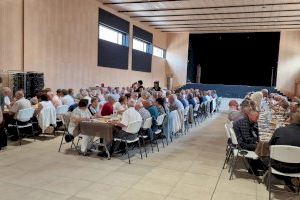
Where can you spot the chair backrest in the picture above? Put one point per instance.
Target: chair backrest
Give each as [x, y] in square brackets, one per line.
[196, 107]
[147, 123]
[233, 136]
[285, 153]
[186, 111]
[134, 127]
[25, 115]
[66, 119]
[160, 119]
[227, 130]
[61, 110]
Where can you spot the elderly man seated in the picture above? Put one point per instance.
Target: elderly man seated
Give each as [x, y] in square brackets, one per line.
[289, 135]
[246, 130]
[19, 103]
[145, 114]
[128, 117]
[174, 103]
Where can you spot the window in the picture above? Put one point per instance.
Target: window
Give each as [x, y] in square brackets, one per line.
[159, 52]
[111, 35]
[140, 45]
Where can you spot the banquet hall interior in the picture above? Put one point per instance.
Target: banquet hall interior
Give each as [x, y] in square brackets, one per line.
[150, 99]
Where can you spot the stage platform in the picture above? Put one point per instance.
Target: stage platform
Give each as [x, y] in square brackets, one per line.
[229, 91]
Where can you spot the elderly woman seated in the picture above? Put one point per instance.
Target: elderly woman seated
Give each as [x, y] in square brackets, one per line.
[234, 112]
[81, 113]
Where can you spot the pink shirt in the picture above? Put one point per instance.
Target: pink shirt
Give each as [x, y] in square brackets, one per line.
[56, 101]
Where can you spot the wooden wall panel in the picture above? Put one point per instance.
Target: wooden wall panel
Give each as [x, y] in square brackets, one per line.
[10, 34]
[289, 62]
[61, 38]
[177, 57]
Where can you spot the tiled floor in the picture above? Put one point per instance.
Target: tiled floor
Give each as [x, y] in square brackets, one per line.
[189, 168]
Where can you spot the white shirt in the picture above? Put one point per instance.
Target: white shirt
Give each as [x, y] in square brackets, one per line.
[119, 107]
[78, 113]
[68, 100]
[20, 105]
[88, 98]
[129, 116]
[6, 101]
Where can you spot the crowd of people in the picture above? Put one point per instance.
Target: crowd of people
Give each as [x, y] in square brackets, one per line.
[134, 103]
[245, 124]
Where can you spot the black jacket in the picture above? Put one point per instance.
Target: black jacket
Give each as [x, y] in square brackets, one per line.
[289, 135]
[246, 133]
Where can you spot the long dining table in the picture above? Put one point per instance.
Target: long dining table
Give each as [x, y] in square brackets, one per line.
[269, 121]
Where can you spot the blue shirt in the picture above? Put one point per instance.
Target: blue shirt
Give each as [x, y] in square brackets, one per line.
[153, 111]
[192, 102]
[182, 100]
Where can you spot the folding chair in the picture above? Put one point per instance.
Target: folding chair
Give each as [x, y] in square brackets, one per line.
[133, 128]
[238, 153]
[143, 134]
[60, 111]
[159, 131]
[228, 150]
[66, 120]
[23, 120]
[186, 119]
[286, 154]
[196, 113]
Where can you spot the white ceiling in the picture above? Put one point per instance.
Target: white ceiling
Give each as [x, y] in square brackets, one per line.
[208, 16]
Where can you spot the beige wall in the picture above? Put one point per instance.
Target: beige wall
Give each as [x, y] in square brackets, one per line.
[177, 57]
[289, 62]
[10, 34]
[61, 40]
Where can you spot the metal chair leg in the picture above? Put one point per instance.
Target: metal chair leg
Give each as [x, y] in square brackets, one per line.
[156, 143]
[61, 142]
[140, 149]
[233, 167]
[144, 146]
[127, 150]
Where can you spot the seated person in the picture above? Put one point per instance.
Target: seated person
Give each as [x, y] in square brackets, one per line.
[56, 101]
[7, 96]
[47, 122]
[107, 108]
[174, 103]
[19, 104]
[128, 117]
[234, 113]
[67, 99]
[190, 98]
[289, 135]
[94, 107]
[160, 104]
[184, 102]
[81, 113]
[246, 130]
[145, 114]
[153, 111]
[121, 105]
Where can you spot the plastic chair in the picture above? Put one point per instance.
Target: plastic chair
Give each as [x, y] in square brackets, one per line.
[66, 120]
[132, 128]
[196, 113]
[285, 154]
[24, 116]
[186, 119]
[143, 133]
[228, 150]
[159, 131]
[238, 153]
